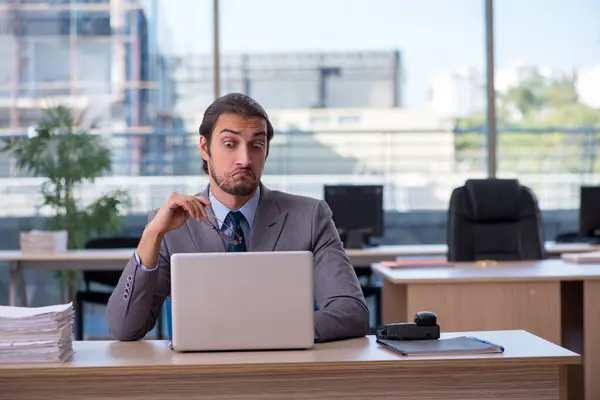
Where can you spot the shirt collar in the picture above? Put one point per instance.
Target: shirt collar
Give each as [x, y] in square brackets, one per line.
[248, 210]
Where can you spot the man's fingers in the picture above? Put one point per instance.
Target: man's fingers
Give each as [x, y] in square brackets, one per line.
[189, 209]
[198, 206]
[193, 205]
[203, 200]
[201, 209]
[202, 203]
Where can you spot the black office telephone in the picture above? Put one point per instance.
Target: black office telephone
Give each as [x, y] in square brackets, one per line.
[424, 327]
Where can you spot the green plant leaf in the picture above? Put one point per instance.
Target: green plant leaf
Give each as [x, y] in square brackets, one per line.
[69, 155]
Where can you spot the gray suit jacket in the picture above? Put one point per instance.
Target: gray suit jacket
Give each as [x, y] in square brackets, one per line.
[283, 222]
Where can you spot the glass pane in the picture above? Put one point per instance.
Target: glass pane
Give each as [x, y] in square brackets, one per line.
[109, 57]
[364, 92]
[40, 23]
[371, 93]
[115, 63]
[547, 80]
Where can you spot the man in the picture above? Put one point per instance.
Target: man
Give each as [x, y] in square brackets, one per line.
[236, 212]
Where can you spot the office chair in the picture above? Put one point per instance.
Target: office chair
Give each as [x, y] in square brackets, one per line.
[494, 219]
[107, 278]
[375, 291]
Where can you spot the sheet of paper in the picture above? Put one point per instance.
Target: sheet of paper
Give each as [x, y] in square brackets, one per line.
[27, 312]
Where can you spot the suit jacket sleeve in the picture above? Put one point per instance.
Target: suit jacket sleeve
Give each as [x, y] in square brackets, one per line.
[342, 311]
[136, 302]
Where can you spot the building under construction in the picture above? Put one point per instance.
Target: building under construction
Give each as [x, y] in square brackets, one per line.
[95, 55]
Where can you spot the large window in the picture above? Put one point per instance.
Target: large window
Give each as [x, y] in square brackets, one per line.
[385, 91]
[547, 95]
[363, 91]
[367, 92]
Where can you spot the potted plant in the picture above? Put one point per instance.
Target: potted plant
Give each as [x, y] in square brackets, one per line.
[69, 155]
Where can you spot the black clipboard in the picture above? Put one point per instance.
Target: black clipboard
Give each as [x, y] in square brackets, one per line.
[451, 346]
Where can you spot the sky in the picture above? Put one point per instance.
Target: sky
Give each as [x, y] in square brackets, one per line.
[433, 36]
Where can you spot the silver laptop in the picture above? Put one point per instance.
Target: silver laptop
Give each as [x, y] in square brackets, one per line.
[242, 301]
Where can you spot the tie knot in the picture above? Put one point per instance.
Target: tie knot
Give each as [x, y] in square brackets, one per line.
[236, 217]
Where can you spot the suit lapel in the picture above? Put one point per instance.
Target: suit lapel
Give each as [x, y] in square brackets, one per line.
[268, 223]
[204, 237]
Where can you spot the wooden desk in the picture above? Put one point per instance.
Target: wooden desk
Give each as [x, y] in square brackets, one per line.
[552, 299]
[530, 368]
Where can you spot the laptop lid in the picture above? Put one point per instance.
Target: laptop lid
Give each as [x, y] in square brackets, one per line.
[242, 301]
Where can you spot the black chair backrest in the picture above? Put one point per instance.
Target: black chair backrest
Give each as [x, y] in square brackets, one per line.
[118, 242]
[110, 278]
[494, 219]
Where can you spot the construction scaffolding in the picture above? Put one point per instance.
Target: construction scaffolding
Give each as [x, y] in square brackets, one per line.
[93, 55]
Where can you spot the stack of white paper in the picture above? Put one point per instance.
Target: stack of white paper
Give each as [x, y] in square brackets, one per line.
[43, 241]
[590, 257]
[42, 334]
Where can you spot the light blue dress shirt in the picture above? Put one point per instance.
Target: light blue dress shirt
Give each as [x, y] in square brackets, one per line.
[248, 210]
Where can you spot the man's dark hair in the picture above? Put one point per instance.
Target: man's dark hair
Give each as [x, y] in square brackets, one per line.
[232, 103]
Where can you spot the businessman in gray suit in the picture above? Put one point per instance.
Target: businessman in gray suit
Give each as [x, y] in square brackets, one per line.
[236, 212]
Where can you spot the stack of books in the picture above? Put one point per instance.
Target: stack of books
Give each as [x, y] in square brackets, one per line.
[36, 334]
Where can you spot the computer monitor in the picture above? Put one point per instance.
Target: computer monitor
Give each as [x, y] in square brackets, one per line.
[357, 212]
[589, 212]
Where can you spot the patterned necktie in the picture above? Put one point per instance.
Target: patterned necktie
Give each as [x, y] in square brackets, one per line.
[234, 220]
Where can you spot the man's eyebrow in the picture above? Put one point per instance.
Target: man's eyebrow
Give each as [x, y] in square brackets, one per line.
[230, 131]
[255, 134]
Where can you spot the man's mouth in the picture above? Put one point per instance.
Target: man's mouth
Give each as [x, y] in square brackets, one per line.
[242, 172]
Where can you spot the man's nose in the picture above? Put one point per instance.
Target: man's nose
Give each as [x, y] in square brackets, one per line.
[243, 157]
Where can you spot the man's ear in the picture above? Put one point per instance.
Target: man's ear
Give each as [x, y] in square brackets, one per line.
[204, 149]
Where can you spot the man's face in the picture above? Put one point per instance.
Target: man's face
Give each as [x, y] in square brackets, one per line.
[237, 154]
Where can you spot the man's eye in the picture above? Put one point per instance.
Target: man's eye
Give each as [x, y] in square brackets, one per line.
[259, 145]
[228, 144]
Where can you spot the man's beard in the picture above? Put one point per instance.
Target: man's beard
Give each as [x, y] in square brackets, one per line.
[241, 189]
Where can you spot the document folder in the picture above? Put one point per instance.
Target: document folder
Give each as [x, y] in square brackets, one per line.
[417, 263]
[454, 346]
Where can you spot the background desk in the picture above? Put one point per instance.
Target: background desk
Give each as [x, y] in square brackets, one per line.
[366, 257]
[79, 260]
[552, 299]
[530, 368]
[115, 260]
